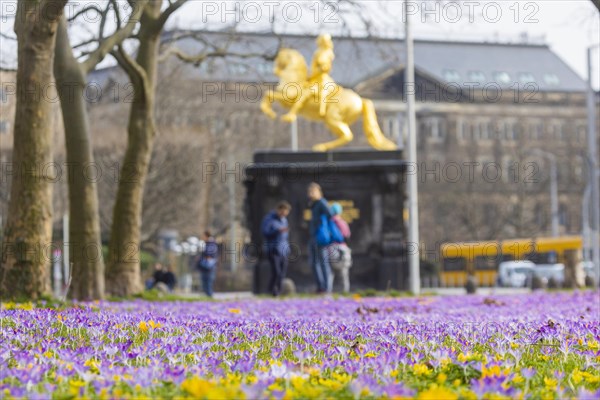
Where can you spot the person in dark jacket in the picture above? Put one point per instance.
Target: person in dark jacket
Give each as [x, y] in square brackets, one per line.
[169, 278]
[275, 233]
[207, 263]
[157, 276]
[317, 254]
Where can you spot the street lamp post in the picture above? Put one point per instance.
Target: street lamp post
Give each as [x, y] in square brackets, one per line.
[593, 161]
[413, 202]
[294, 135]
[553, 188]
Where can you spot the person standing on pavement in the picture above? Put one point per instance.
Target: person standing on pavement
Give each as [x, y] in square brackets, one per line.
[275, 229]
[340, 255]
[317, 254]
[207, 263]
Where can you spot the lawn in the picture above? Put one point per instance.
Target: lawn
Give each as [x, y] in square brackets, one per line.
[540, 345]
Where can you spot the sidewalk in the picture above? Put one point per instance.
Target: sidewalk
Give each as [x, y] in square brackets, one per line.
[219, 295]
[458, 291]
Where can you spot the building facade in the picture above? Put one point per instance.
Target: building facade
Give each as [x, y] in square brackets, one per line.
[490, 119]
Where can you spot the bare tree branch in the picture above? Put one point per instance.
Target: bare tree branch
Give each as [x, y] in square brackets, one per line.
[84, 10]
[218, 53]
[102, 24]
[126, 62]
[116, 38]
[117, 11]
[84, 44]
[215, 52]
[8, 37]
[173, 6]
[133, 69]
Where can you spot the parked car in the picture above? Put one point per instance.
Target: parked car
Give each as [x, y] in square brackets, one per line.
[548, 271]
[515, 273]
[588, 268]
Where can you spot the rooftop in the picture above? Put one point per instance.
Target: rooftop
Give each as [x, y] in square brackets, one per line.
[359, 58]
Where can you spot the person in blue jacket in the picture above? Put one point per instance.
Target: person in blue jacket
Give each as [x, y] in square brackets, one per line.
[207, 263]
[275, 233]
[317, 254]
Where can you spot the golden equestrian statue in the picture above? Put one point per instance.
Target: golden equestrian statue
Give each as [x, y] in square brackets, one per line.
[318, 98]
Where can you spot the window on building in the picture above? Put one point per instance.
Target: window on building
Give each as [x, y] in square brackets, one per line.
[210, 66]
[563, 215]
[451, 75]
[536, 130]
[435, 129]
[485, 130]
[238, 69]
[391, 127]
[461, 129]
[4, 126]
[264, 68]
[502, 77]
[476, 76]
[558, 131]
[474, 131]
[3, 96]
[551, 79]
[510, 169]
[526, 77]
[510, 130]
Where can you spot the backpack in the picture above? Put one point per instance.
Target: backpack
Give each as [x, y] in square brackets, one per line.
[336, 233]
[328, 232]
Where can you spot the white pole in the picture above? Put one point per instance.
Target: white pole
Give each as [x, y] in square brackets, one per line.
[413, 201]
[593, 155]
[66, 259]
[585, 223]
[554, 194]
[294, 135]
[231, 181]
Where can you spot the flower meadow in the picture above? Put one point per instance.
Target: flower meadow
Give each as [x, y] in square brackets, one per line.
[539, 345]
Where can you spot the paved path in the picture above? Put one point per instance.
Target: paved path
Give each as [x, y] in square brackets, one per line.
[437, 291]
[485, 291]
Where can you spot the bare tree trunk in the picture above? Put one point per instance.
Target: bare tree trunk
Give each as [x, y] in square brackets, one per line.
[84, 224]
[123, 271]
[207, 184]
[24, 271]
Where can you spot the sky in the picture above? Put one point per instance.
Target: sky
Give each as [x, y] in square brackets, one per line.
[569, 27]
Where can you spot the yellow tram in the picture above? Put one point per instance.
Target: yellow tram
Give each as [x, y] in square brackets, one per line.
[482, 258]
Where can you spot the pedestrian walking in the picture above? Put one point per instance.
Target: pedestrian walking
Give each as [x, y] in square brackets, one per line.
[207, 263]
[275, 230]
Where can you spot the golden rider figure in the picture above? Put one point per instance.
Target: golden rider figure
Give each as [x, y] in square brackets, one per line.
[320, 83]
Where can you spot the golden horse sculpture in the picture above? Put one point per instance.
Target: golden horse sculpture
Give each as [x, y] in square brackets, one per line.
[319, 98]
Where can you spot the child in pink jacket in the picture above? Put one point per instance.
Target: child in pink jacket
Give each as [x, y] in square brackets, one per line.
[340, 254]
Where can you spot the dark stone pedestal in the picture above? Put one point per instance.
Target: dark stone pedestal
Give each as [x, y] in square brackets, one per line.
[369, 185]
